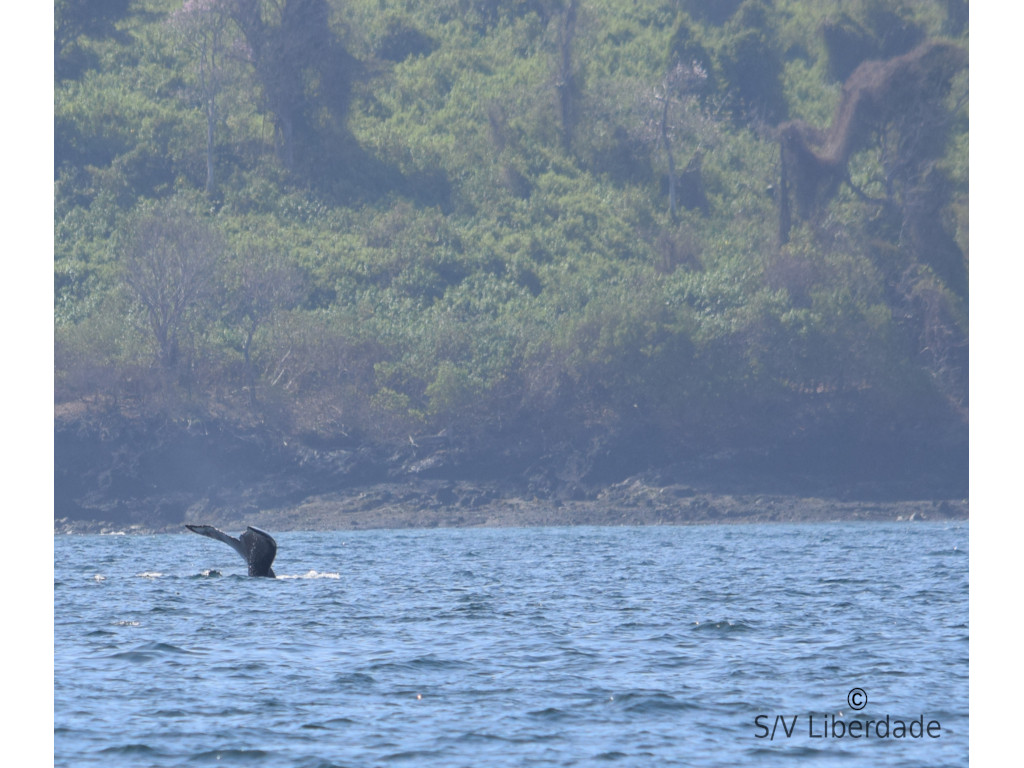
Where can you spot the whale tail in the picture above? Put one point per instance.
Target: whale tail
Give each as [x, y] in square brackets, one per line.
[257, 547]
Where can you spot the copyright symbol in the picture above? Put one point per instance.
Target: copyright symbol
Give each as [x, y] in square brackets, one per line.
[857, 698]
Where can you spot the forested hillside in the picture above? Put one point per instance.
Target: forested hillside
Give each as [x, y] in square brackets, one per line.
[575, 239]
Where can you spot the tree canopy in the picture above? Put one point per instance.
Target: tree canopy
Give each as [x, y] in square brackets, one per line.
[527, 224]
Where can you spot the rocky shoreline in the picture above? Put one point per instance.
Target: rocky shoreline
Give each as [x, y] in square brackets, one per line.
[119, 474]
[461, 505]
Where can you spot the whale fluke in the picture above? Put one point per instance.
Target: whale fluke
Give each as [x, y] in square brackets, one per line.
[256, 546]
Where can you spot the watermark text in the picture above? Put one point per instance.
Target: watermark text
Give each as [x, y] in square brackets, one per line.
[835, 727]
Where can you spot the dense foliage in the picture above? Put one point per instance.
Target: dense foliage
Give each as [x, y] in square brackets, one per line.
[530, 224]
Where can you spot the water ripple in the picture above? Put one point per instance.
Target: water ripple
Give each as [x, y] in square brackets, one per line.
[506, 648]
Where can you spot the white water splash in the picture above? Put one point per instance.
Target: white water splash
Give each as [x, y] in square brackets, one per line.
[312, 575]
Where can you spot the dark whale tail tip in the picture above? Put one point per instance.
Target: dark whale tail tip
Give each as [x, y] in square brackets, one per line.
[257, 547]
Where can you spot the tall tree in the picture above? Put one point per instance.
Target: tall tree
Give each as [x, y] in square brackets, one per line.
[565, 82]
[204, 26]
[675, 103]
[305, 73]
[258, 282]
[169, 264]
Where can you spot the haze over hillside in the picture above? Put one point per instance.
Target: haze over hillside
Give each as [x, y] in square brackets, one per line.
[547, 242]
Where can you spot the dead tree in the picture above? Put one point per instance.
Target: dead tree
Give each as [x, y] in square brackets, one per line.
[814, 162]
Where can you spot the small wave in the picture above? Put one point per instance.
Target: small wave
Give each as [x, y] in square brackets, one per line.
[721, 627]
[126, 623]
[334, 722]
[648, 702]
[149, 575]
[430, 661]
[411, 754]
[149, 651]
[316, 762]
[131, 749]
[485, 737]
[229, 756]
[791, 752]
[162, 648]
[99, 577]
[354, 680]
[472, 609]
[132, 656]
[312, 575]
[549, 713]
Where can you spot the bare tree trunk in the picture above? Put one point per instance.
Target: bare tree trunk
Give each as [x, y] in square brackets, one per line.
[250, 374]
[668, 156]
[202, 26]
[564, 85]
[785, 217]
[211, 117]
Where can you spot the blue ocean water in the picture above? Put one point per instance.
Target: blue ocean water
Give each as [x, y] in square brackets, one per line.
[633, 646]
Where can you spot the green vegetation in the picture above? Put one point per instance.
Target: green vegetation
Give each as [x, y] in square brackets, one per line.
[543, 226]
